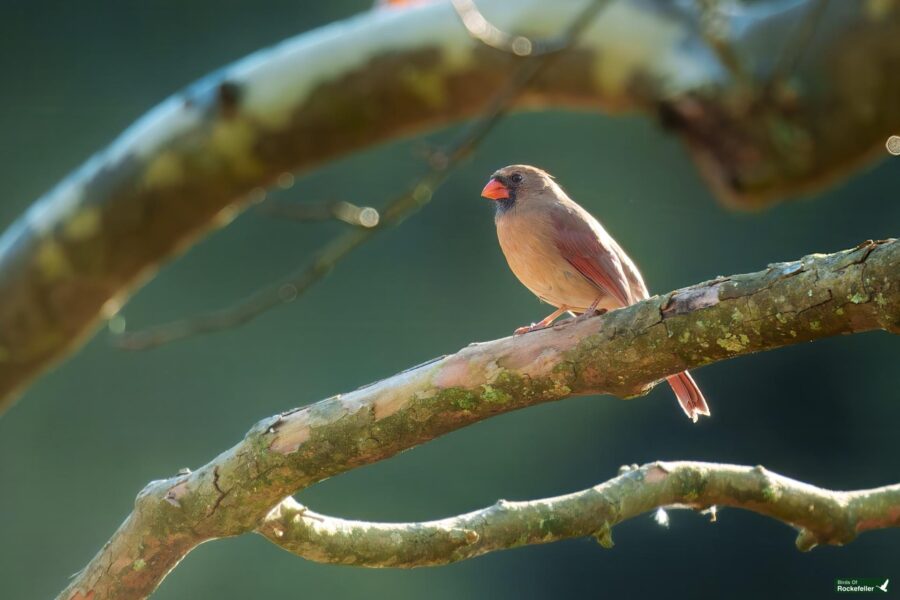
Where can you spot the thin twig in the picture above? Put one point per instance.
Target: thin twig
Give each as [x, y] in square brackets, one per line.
[714, 31]
[392, 214]
[360, 216]
[487, 33]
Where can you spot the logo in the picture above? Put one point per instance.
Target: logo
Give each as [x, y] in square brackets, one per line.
[861, 586]
[893, 145]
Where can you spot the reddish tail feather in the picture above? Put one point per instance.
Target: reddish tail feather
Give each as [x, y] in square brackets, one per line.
[689, 395]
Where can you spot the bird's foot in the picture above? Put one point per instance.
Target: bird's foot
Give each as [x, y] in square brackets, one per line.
[529, 328]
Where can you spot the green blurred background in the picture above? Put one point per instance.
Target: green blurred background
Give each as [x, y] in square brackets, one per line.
[85, 438]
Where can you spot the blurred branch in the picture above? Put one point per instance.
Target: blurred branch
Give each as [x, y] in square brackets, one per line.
[195, 161]
[442, 162]
[821, 516]
[625, 352]
[360, 216]
[489, 34]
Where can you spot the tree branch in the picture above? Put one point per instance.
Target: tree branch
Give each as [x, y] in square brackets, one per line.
[821, 516]
[193, 162]
[624, 352]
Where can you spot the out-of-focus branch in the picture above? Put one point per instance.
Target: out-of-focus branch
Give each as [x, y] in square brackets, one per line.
[624, 352]
[489, 34]
[821, 516]
[360, 216]
[193, 162]
[442, 163]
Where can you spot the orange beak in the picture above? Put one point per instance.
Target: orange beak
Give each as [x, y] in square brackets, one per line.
[494, 190]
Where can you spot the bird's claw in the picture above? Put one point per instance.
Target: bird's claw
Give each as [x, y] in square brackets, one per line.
[528, 328]
[544, 324]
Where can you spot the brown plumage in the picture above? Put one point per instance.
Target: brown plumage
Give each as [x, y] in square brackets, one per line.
[565, 257]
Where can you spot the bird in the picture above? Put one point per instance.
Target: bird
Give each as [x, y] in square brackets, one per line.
[565, 257]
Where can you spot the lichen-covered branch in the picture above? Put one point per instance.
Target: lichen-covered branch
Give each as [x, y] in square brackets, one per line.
[821, 516]
[193, 162]
[624, 352]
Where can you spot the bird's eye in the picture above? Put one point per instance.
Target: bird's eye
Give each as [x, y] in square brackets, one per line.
[516, 178]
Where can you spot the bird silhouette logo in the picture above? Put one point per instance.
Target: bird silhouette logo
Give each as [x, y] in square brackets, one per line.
[883, 586]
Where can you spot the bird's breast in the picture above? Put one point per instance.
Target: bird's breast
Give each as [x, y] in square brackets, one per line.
[528, 243]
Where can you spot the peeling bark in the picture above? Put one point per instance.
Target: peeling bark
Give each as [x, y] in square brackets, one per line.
[625, 353]
[193, 162]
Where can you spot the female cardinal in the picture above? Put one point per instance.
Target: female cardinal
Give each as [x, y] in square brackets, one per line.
[565, 257]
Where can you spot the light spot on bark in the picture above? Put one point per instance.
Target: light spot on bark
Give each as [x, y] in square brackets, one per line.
[112, 306]
[52, 261]
[428, 85]
[233, 140]
[83, 224]
[457, 57]
[225, 216]
[165, 170]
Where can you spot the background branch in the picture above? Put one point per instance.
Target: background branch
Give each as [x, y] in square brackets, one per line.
[360, 216]
[193, 162]
[624, 352]
[401, 207]
[821, 516]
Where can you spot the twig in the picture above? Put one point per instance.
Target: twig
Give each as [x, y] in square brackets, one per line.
[624, 352]
[487, 33]
[392, 214]
[360, 216]
[821, 516]
[714, 31]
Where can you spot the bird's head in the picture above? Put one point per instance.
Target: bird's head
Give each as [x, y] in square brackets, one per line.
[516, 184]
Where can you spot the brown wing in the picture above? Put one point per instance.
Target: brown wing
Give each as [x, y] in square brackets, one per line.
[581, 245]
